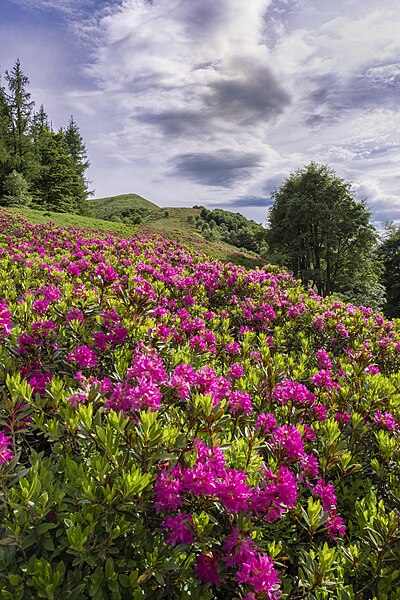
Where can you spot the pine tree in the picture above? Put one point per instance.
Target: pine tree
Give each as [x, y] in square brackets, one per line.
[79, 161]
[5, 140]
[16, 190]
[57, 181]
[20, 106]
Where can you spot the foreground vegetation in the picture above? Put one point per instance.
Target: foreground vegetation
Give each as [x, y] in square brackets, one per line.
[175, 427]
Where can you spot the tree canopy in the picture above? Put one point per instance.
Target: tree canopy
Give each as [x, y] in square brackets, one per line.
[324, 235]
[389, 252]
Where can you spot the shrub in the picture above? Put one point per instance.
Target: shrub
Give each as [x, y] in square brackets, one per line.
[172, 427]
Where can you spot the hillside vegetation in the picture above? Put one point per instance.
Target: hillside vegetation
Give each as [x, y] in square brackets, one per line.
[212, 225]
[177, 428]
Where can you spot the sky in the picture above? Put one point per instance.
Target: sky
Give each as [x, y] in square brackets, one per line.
[217, 102]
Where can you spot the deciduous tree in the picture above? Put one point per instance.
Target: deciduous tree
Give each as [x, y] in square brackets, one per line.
[319, 230]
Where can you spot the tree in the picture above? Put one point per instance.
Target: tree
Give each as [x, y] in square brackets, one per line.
[76, 150]
[16, 190]
[57, 181]
[5, 140]
[20, 106]
[321, 232]
[389, 251]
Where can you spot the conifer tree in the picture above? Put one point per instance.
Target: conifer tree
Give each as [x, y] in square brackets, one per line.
[5, 140]
[20, 106]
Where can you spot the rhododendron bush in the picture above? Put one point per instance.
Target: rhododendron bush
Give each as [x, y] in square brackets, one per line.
[173, 427]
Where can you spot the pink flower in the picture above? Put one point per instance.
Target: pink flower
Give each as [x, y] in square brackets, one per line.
[335, 526]
[240, 401]
[288, 438]
[319, 411]
[83, 356]
[179, 526]
[342, 331]
[232, 490]
[5, 454]
[5, 319]
[385, 420]
[342, 417]
[309, 463]
[326, 493]
[371, 370]
[266, 423]
[324, 361]
[323, 379]
[290, 391]
[168, 490]
[259, 572]
[236, 371]
[207, 568]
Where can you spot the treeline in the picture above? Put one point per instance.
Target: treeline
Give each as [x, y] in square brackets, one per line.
[232, 228]
[38, 166]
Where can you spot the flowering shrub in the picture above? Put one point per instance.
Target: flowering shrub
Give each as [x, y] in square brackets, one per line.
[173, 427]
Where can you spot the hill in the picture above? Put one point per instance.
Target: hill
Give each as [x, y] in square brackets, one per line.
[120, 206]
[212, 225]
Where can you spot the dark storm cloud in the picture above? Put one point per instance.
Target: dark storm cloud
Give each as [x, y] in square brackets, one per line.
[254, 99]
[175, 122]
[257, 97]
[220, 169]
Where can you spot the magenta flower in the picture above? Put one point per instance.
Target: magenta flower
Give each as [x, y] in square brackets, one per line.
[83, 356]
[266, 423]
[179, 529]
[5, 319]
[342, 417]
[335, 526]
[324, 361]
[259, 572]
[319, 411]
[168, 490]
[5, 454]
[207, 568]
[240, 401]
[385, 420]
[326, 493]
[291, 391]
[236, 371]
[288, 438]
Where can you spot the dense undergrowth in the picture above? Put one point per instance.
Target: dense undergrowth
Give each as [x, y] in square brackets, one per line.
[174, 427]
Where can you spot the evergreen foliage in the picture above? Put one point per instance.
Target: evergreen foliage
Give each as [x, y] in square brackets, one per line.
[16, 190]
[42, 165]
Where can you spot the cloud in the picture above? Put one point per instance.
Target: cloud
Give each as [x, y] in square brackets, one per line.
[220, 169]
[72, 8]
[250, 201]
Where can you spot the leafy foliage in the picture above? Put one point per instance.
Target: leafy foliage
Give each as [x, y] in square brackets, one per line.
[389, 251]
[172, 427]
[322, 233]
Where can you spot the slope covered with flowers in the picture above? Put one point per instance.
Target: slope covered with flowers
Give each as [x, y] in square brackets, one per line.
[173, 427]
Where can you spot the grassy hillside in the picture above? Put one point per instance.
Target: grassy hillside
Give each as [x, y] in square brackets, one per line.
[105, 208]
[171, 228]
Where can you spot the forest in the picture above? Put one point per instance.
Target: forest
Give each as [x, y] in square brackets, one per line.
[38, 166]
